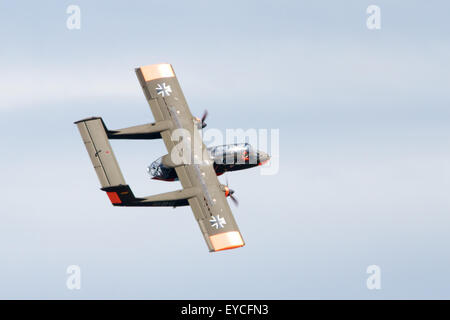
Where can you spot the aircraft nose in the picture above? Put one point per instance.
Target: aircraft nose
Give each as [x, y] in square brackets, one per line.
[263, 157]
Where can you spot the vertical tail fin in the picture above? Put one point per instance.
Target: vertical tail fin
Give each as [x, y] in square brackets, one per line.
[95, 138]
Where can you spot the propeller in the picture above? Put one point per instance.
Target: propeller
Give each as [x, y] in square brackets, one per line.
[233, 198]
[230, 194]
[205, 114]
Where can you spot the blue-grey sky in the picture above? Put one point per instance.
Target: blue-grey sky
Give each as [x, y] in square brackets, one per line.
[364, 148]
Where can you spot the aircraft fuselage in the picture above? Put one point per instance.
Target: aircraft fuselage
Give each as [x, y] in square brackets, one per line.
[231, 157]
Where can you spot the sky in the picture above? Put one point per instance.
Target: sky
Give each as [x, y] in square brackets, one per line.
[363, 118]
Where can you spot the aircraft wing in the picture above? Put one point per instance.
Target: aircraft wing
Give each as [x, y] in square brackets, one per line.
[208, 203]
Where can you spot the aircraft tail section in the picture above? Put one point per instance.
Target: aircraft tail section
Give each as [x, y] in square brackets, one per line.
[95, 137]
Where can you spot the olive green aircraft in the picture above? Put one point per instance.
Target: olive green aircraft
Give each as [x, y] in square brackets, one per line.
[188, 160]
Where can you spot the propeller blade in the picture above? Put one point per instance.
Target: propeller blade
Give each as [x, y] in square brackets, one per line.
[205, 114]
[235, 200]
[231, 196]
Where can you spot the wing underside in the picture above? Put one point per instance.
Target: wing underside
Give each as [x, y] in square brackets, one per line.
[209, 205]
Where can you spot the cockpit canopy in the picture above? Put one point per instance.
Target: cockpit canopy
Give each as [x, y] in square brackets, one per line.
[231, 148]
[234, 154]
